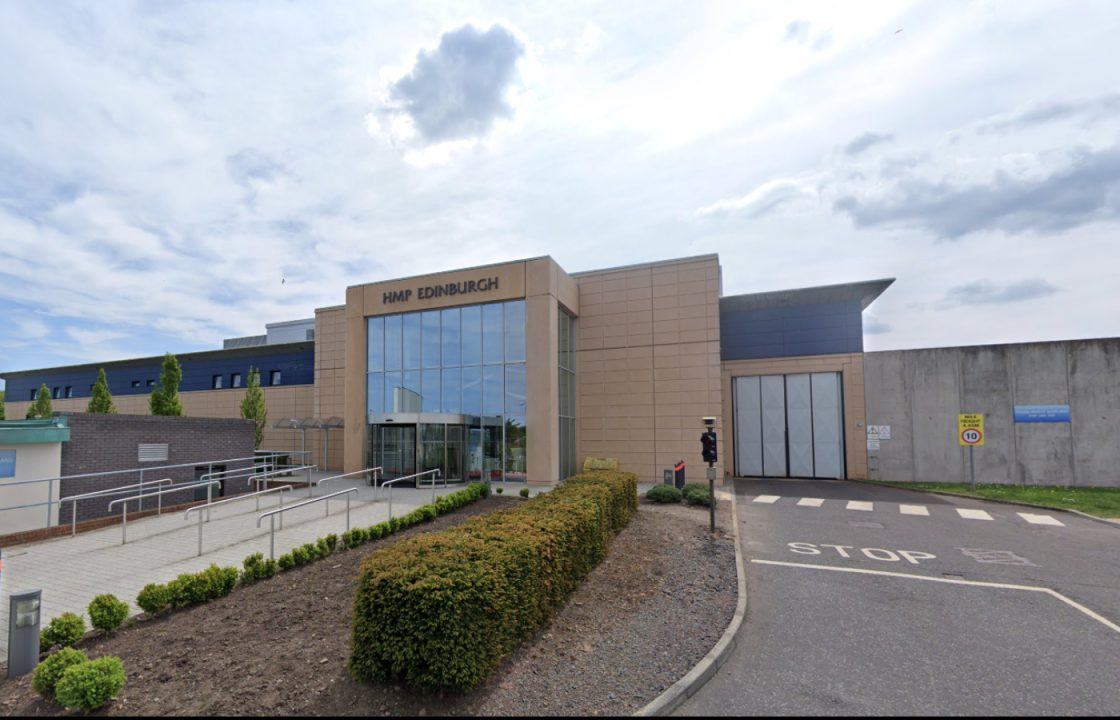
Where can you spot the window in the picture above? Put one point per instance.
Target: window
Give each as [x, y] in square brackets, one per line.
[34, 392]
[216, 382]
[151, 383]
[69, 391]
[55, 394]
[567, 381]
[274, 377]
[235, 380]
[135, 383]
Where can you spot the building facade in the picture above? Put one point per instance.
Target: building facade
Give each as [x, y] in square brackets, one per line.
[519, 371]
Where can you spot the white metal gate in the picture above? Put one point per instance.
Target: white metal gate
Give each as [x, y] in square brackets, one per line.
[789, 425]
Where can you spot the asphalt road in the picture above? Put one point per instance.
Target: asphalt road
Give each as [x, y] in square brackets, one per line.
[877, 611]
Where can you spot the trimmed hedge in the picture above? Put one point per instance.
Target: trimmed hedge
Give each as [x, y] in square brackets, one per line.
[64, 630]
[663, 494]
[696, 494]
[443, 610]
[107, 613]
[91, 684]
[47, 673]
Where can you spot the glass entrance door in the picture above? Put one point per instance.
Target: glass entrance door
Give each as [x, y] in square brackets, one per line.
[393, 447]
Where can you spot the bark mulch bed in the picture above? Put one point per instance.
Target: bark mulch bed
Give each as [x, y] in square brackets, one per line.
[643, 618]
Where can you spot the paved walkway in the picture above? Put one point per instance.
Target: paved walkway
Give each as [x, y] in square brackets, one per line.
[72, 570]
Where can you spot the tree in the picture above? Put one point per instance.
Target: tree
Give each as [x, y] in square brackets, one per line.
[165, 398]
[41, 408]
[101, 401]
[253, 407]
[1, 404]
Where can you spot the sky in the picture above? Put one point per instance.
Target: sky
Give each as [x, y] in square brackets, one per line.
[172, 174]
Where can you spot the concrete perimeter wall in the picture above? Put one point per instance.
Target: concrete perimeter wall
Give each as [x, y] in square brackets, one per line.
[920, 392]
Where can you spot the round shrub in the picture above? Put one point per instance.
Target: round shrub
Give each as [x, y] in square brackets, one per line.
[498, 490]
[332, 541]
[48, 672]
[300, 555]
[89, 685]
[218, 582]
[524, 492]
[64, 630]
[286, 561]
[323, 547]
[154, 598]
[696, 494]
[107, 613]
[663, 494]
[257, 568]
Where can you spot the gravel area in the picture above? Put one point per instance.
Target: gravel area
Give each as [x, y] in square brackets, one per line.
[644, 617]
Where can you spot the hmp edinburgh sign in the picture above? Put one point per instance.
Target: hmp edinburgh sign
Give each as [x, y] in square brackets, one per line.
[426, 292]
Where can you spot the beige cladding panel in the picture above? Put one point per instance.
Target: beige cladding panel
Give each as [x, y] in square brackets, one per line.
[459, 287]
[648, 364]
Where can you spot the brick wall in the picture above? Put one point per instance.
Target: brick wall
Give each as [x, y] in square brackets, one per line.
[100, 443]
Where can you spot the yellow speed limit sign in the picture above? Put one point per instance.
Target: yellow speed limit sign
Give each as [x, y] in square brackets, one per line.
[970, 429]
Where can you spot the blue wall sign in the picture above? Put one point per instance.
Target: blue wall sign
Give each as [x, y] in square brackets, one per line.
[1041, 413]
[7, 463]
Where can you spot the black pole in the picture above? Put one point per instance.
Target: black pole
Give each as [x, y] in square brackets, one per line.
[712, 496]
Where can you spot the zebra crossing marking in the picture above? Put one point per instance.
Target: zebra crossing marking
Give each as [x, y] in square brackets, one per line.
[914, 510]
[863, 505]
[1036, 519]
[767, 499]
[811, 502]
[973, 514]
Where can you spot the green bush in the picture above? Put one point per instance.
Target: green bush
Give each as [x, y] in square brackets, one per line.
[663, 494]
[322, 547]
[286, 561]
[107, 613]
[696, 494]
[499, 490]
[257, 568]
[89, 685]
[154, 598]
[220, 581]
[48, 672]
[64, 630]
[300, 556]
[332, 542]
[443, 610]
[524, 492]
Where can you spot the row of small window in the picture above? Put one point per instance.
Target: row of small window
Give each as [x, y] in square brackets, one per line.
[235, 380]
[215, 382]
[472, 390]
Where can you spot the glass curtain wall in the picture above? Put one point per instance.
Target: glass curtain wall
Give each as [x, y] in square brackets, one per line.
[567, 369]
[465, 361]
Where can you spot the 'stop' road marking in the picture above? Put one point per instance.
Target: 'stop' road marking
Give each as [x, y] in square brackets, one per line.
[913, 510]
[973, 514]
[768, 499]
[1041, 519]
[860, 505]
[811, 502]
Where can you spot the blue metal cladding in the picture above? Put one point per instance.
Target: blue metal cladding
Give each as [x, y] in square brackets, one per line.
[790, 331]
[296, 363]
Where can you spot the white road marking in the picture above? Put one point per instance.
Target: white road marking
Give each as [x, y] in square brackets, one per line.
[973, 514]
[951, 581]
[768, 499]
[1034, 519]
[860, 505]
[811, 502]
[913, 510]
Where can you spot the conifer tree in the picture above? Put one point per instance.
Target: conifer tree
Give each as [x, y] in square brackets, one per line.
[253, 407]
[41, 408]
[101, 400]
[165, 398]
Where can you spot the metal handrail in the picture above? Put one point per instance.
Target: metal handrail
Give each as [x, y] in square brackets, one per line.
[187, 515]
[271, 515]
[415, 477]
[257, 477]
[105, 493]
[375, 470]
[50, 502]
[208, 484]
[266, 466]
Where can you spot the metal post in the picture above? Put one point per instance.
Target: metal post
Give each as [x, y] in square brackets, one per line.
[712, 496]
[271, 537]
[348, 512]
[50, 498]
[200, 534]
[390, 502]
[308, 480]
[124, 521]
[281, 494]
[140, 502]
[73, 516]
[971, 467]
